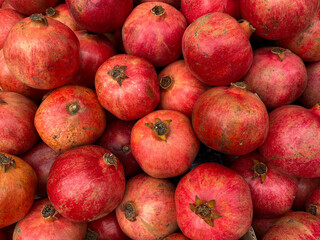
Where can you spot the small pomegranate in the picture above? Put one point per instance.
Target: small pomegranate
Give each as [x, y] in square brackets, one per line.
[312, 204]
[8, 18]
[147, 210]
[28, 7]
[305, 188]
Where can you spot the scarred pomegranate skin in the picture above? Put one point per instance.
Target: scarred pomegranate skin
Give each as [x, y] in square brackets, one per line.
[293, 142]
[231, 213]
[8, 18]
[216, 49]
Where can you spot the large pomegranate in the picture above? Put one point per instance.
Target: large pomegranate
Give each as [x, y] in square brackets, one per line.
[86, 183]
[28, 7]
[230, 120]
[8, 18]
[293, 142]
[42, 52]
[147, 210]
[213, 202]
[216, 48]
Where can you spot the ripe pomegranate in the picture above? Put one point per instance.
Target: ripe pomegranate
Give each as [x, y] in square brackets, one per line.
[312, 203]
[42, 52]
[305, 188]
[164, 144]
[147, 210]
[179, 88]
[146, 33]
[230, 120]
[28, 7]
[272, 192]
[293, 142]
[176, 236]
[6, 5]
[174, 3]
[216, 48]
[18, 181]
[213, 202]
[276, 19]
[8, 18]
[127, 86]
[193, 9]
[17, 131]
[277, 75]
[70, 116]
[86, 183]
[100, 16]
[311, 95]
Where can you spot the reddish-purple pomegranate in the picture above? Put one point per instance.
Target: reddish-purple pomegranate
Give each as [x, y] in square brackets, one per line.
[28, 7]
[305, 188]
[153, 31]
[312, 204]
[176, 236]
[8, 18]
[147, 210]
[175, 3]
[277, 75]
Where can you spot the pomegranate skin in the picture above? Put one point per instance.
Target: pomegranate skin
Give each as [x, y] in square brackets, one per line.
[230, 120]
[35, 226]
[176, 236]
[154, 31]
[193, 9]
[273, 197]
[305, 188]
[216, 49]
[277, 75]
[292, 145]
[174, 3]
[57, 52]
[8, 18]
[28, 7]
[83, 185]
[311, 95]
[183, 91]
[275, 19]
[262, 225]
[100, 16]
[231, 193]
[153, 203]
[312, 203]
[169, 156]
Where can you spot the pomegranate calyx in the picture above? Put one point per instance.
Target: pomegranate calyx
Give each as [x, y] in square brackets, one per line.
[247, 27]
[118, 74]
[51, 11]
[129, 211]
[91, 235]
[6, 162]
[160, 128]
[2, 102]
[110, 159]
[48, 212]
[239, 85]
[259, 170]
[166, 82]
[280, 52]
[313, 209]
[73, 108]
[126, 148]
[158, 10]
[205, 210]
[39, 17]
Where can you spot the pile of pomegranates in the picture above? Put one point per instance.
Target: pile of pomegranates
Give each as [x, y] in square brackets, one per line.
[159, 120]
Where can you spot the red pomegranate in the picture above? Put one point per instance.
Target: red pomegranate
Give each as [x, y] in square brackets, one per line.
[175, 3]
[276, 19]
[70, 116]
[216, 48]
[42, 52]
[100, 15]
[272, 192]
[312, 203]
[176, 236]
[6, 5]
[147, 210]
[293, 142]
[179, 88]
[305, 188]
[127, 86]
[277, 75]
[193, 9]
[311, 95]
[43, 222]
[153, 31]
[213, 202]
[164, 144]
[230, 120]
[86, 183]
[28, 7]
[8, 18]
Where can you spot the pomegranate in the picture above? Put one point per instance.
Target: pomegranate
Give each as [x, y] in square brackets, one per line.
[116, 138]
[107, 228]
[230, 120]
[272, 192]
[174, 3]
[147, 210]
[213, 202]
[313, 202]
[100, 15]
[277, 75]
[176, 236]
[41, 158]
[6, 5]
[293, 142]
[216, 48]
[279, 19]
[18, 181]
[193, 9]
[42, 52]
[70, 116]
[127, 86]
[43, 222]
[305, 188]
[17, 131]
[311, 95]
[179, 88]
[28, 7]
[153, 31]
[86, 183]
[8, 18]
[164, 144]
